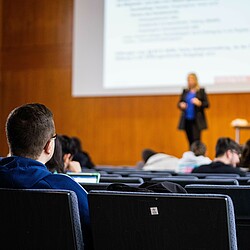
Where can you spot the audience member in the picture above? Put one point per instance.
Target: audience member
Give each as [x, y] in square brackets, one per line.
[56, 164]
[245, 157]
[68, 152]
[193, 158]
[226, 159]
[158, 161]
[82, 156]
[30, 132]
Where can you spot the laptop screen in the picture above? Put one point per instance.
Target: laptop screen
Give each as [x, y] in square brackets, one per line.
[85, 177]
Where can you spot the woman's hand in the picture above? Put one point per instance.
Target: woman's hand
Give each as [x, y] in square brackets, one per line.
[196, 102]
[183, 105]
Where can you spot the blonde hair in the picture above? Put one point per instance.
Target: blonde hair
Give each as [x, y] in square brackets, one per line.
[197, 85]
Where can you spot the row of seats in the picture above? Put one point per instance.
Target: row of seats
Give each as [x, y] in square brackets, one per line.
[207, 217]
[48, 219]
[220, 179]
[231, 185]
[113, 206]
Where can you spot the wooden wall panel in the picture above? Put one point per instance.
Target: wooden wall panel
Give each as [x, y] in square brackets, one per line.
[1, 92]
[37, 55]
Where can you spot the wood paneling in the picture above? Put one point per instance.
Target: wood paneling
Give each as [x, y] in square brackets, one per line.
[1, 92]
[37, 55]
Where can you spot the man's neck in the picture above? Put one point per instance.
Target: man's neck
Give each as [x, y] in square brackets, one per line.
[222, 159]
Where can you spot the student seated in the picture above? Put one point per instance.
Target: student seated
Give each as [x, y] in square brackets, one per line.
[31, 136]
[193, 158]
[226, 159]
[245, 157]
[158, 161]
[82, 156]
[68, 152]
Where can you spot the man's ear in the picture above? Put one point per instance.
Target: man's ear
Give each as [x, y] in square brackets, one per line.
[48, 147]
[228, 153]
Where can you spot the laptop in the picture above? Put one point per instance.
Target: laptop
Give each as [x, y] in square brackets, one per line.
[85, 177]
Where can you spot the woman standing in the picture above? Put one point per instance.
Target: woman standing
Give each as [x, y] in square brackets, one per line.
[192, 103]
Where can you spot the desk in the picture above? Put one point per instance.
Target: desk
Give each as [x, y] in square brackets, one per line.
[237, 131]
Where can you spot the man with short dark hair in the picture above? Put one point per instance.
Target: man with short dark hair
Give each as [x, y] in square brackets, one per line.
[31, 138]
[226, 158]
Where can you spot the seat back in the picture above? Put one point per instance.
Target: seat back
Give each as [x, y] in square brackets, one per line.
[192, 177]
[125, 221]
[102, 186]
[243, 180]
[221, 177]
[204, 175]
[148, 177]
[121, 179]
[240, 196]
[111, 175]
[39, 219]
[185, 181]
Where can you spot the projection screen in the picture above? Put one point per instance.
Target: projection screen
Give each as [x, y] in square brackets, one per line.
[147, 47]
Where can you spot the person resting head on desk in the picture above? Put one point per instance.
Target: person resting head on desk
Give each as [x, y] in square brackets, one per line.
[158, 161]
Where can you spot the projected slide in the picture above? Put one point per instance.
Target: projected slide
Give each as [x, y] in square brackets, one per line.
[156, 43]
[144, 47]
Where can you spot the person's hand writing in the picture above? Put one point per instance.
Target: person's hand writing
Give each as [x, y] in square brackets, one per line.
[196, 102]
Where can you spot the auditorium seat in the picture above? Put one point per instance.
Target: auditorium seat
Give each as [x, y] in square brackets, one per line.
[192, 177]
[240, 196]
[111, 169]
[102, 186]
[144, 172]
[185, 181]
[127, 173]
[243, 180]
[149, 176]
[172, 172]
[39, 219]
[130, 220]
[121, 179]
[204, 175]
[111, 175]
[222, 176]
